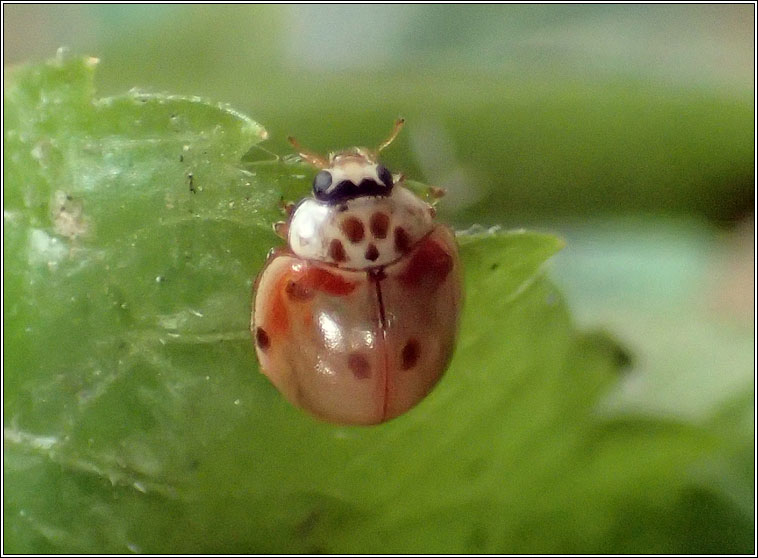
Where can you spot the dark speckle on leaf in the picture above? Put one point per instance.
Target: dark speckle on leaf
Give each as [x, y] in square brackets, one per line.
[623, 358]
[478, 538]
[308, 523]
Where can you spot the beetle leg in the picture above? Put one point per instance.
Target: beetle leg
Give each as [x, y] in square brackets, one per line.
[281, 229]
[435, 193]
[286, 207]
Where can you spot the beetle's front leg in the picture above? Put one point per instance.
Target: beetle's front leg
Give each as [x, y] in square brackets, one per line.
[281, 228]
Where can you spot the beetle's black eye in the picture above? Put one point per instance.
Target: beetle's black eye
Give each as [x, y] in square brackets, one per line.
[321, 183]
[384, 175]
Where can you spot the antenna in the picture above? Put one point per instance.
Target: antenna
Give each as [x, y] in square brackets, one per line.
[308, 156]
[395, 131]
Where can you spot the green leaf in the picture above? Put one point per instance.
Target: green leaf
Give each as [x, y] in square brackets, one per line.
[135, 416]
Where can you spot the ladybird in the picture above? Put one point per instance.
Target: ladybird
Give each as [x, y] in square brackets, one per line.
[355, 320]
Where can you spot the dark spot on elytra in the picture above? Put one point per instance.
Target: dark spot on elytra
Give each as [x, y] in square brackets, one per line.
[319, 279]
[353, 229]
[402, 240]
[380, 222]
[337, 251]
[429, 266]
[410, 354]
[494, 266]
[371, 253]
[359, 366]
[298, 292]
[262, 339]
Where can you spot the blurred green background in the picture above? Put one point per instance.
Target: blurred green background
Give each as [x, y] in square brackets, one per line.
[627, 130]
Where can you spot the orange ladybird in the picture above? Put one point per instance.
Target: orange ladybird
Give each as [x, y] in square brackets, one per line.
[356, 319]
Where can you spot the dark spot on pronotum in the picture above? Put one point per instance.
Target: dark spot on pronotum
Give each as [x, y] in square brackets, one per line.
[298, 292]
[410, 353]
[359, 366]
[342, 207]
[191, 180]
[345, 190]
[494, 266]
[380, 222]
[384, 175]
[181, 157]
[337, 251]
[353, 229]
[262, 338]
[371, 253]
[402, 240]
